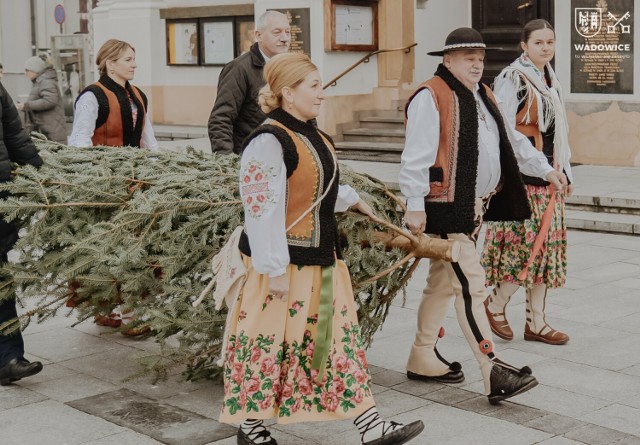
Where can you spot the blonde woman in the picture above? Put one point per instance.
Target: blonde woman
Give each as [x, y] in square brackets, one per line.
[113, 112]
[533, 253]
[294, 346]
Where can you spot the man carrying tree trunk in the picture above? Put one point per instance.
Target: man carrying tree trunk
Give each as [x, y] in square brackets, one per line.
[15, 146]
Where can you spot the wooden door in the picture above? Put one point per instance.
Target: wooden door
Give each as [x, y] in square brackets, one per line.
[500, 22]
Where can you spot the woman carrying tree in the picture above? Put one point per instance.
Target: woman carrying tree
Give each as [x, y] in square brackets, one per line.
[294, 348]
[112, 112]
[533, 253]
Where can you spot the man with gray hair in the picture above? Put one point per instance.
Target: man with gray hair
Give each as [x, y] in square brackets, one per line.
[236, 112]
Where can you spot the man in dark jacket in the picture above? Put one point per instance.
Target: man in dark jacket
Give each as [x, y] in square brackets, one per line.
[236, 112]
[15, 146]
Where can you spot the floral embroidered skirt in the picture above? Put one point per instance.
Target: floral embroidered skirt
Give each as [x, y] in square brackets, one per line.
[508, 245]
[267, 368]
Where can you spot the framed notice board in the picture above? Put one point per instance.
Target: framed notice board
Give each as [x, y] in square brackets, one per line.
[351, 25]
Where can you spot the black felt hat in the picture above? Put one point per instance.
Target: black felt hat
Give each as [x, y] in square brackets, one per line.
[460, 39]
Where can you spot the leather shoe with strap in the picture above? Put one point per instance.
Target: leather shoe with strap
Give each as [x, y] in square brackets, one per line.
[243, 438]
[507, 381]
[550, 336]
[18, 368]
[500, 328]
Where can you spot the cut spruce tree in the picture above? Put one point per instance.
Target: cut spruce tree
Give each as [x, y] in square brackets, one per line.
[121, 226]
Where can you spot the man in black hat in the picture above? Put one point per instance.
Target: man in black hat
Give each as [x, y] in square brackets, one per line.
[461, 163]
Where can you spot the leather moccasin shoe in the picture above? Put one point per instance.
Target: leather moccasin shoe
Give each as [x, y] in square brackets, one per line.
[399, 436]
[243, 438]
[500, 328]
[449, 377]
[507, 382]
[17, 369]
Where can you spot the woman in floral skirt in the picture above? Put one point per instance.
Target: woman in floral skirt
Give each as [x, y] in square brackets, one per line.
[294, 348]
[532, 97]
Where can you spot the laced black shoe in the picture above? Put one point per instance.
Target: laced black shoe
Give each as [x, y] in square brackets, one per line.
[507, 381]
[244, 439]
[400, 435]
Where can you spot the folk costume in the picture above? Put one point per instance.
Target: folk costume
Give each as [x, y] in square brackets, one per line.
[108, 114]
[301, 359]
[286, 166]
[533, 106]
[460, 164]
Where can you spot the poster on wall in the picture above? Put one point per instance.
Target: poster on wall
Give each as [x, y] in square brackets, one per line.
[217, 41]
[300, 22]
[182, 42]
[602, 46]
[354, 25]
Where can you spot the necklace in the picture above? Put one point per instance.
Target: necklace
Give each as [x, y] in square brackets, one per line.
[481, 115]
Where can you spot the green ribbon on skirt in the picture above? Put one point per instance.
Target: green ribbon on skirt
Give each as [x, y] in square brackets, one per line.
[324, 333]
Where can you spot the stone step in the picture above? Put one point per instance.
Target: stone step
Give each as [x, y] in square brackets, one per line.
[369, 151]
[393, 147]
[603, 222]
[374, 135]
[605, 204]
[176, 132]
[391, 122]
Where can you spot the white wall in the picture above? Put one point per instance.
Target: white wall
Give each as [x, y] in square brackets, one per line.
[15, 24]
[432, 25]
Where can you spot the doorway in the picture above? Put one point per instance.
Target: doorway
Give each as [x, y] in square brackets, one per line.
[500, 22]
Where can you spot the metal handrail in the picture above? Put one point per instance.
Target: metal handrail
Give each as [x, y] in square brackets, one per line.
[333, 82]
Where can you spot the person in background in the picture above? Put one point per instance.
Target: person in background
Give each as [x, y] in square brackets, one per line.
[460, 164]
[235, 112]
[15, 146]
[43, 109]
[1, 71]
[532, 101]
[113, 112]
[294, 349]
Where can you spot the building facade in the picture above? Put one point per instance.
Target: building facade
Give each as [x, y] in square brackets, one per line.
[179, 61]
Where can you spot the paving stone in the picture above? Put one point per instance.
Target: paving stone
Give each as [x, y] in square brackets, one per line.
[391, 403]
[52, 423]
[618, 417]
[587, 380]
[481, 405]
[389, 378]
[517, 413]
[65, 344]
[15, 395]
[165, 423]
[77, 386]
[449, 395]
[595, 435]
[113, 365]
[626, 353]
[554, 424]
[557, 440]
[628, 440]
[417, 387]
[206, 401]
[125, 438]
[561, 401]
